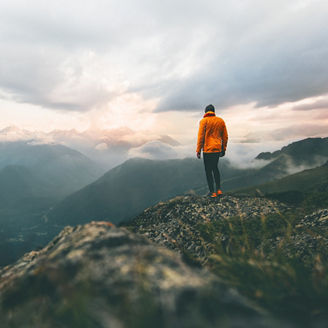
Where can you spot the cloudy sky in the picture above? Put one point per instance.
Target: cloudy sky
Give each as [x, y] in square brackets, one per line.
[145, 69]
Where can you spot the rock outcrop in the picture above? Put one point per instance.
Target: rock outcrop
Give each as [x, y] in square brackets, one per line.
[309, 237]
[98, 275]
[175, 224]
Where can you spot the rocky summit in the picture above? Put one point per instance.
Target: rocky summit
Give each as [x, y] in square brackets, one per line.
[273, 254]
[177, 223]
[98, 275]
[309, 237]
[189, 262]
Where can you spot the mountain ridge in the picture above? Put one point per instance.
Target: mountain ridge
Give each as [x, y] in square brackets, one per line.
[64, 169]
[304, 149]
[309, 186]
[140, 183]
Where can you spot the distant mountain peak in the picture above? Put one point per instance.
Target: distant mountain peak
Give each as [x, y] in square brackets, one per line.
[310, 146]
[297, 156]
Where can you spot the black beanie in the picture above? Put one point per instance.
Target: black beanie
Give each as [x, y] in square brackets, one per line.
[209, 108]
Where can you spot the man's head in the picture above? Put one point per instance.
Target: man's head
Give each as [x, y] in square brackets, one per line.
[209, 108]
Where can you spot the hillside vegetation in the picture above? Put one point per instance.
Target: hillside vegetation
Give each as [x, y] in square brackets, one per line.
[124, 191]
[273, 254]
[307, 189]
[268, 267]
[34, 177]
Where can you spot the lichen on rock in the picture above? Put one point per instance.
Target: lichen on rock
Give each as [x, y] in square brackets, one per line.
[98, 275]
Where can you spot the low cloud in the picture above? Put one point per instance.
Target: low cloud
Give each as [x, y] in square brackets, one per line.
[109, 147]
[102, 146]
[154, 150]
[112, 147]
[291, 168]
[320, 104]
[242, 155]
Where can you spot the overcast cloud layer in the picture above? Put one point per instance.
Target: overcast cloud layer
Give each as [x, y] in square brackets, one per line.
[124, 78]
[79, 55]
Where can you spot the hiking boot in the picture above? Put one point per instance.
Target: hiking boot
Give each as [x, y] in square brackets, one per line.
[211, 194]
[219, 192]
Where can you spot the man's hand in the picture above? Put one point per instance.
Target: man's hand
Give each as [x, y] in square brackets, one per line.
[222, 153]
[198, 155]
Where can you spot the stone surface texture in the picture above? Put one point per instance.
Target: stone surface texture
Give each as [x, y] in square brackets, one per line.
[98, 275]
[174, 224]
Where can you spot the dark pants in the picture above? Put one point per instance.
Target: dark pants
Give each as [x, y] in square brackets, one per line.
[211, 161]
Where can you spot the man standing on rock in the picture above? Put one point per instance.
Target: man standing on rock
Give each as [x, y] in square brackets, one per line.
[213, 139]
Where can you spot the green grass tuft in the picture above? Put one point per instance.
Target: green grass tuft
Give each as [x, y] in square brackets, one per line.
[257, 256]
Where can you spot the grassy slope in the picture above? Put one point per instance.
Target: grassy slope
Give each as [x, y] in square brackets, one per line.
[291, 286]
[307, 189]
[129, 188]
[310, 179]
[288, 286]
[126, 190]
[275, 260]
[294, 286]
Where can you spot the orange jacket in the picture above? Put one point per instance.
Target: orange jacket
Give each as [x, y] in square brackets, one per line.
[212, 134]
